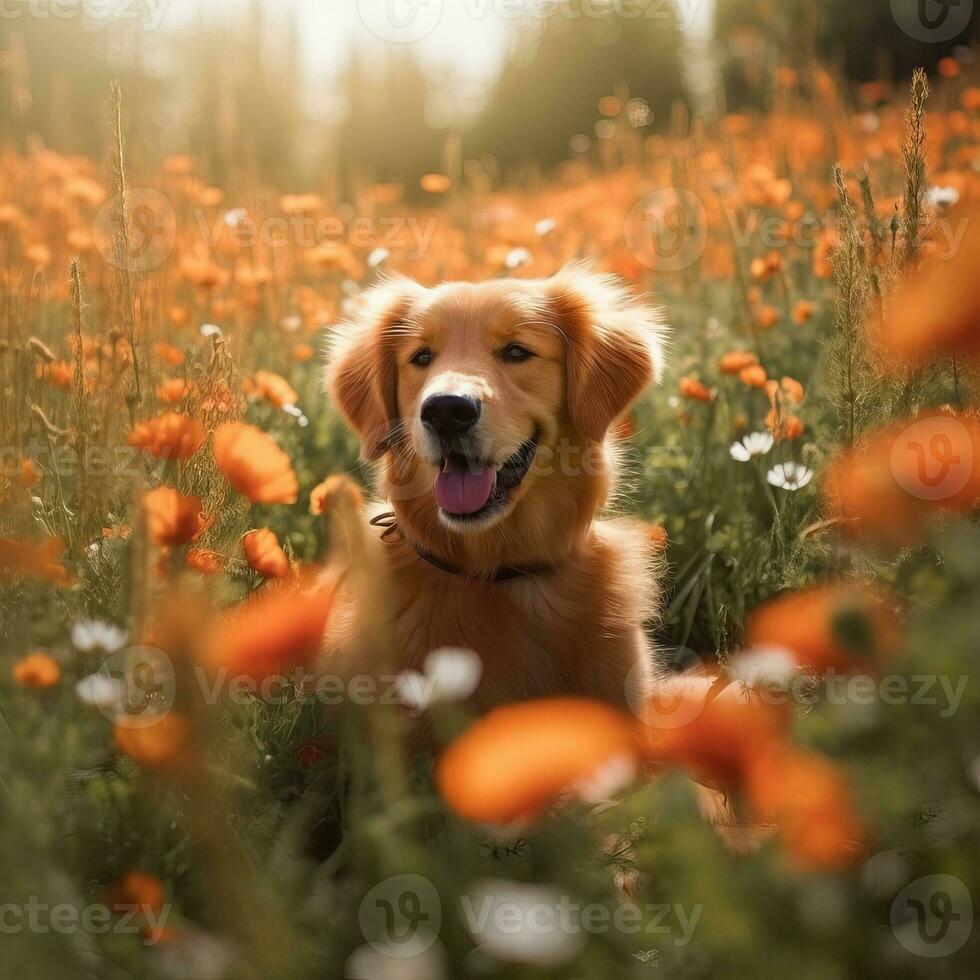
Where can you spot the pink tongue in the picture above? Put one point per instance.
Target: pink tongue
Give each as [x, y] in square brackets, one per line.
[465, 491]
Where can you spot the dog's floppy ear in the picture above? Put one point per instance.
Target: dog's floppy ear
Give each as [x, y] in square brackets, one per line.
[615, 346]
[362, 376]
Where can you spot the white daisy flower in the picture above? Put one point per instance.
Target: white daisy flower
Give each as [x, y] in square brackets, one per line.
[235, 217]
[613, 775]
[764, 667]
[754, 444]
[456, 673]
[448, 674]
[789, 476]
[377, 257]
[938, 196]
[517, 257]
[517, 923]
[102, 692]
[211, 330]
[89, 635]
[415, 959]
[291, 323]
[414, 689]
[545, 226]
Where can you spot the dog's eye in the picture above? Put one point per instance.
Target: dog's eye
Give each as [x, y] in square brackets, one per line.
[516, 354]
[422, 357]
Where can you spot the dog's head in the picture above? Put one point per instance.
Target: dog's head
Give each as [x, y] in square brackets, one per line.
[492, 402]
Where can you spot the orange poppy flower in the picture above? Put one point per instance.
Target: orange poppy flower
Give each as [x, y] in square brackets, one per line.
[736, 361]
[695, 390]
[937, 310]
[900, 479]
[274, 388]
[787, 389]
[170, 355]
[766, 266]
[254, 465]
[58, 374]
[279, 628]
[37, 670]
[767, 317]
[435, 183]
[136, 890]
[754, 376]
[173, 390]
[178, 165]
[38, 255]
[264, 554]
[204, 273]
[713, 739]
[811, 805]
[948, 67]
[171, 517]
[970, 99]
[803, 312]
[164, 745]
[169, 436]
[301, 203]
[783, 425]
[179, 316]
[303, 353]
[40, 560]
[519, 759]
[29, 476]
[842, 626]
[204, 562]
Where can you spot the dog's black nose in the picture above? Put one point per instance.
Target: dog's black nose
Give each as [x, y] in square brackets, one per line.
[450, 416]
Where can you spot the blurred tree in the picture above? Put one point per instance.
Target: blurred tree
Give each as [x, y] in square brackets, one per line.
[870, 41]
[54, 82]
[385, 136]
[245, 94]
[564, 63]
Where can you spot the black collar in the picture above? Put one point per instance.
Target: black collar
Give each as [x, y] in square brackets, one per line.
[506, 573]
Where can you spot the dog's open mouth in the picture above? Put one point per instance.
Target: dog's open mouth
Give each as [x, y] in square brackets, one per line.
[467, 489]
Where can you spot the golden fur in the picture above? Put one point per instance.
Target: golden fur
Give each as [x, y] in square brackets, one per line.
[576, 628]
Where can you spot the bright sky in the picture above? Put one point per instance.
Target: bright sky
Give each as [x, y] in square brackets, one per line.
[468, 35]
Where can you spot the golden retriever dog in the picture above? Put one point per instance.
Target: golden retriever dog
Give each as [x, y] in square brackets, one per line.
[489, 409]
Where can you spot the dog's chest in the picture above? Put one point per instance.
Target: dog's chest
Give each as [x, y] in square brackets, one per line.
[531, 638]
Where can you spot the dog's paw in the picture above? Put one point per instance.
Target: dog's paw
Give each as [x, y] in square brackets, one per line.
[337, 495]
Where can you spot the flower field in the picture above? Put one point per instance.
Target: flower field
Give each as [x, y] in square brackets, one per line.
[173, 480]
